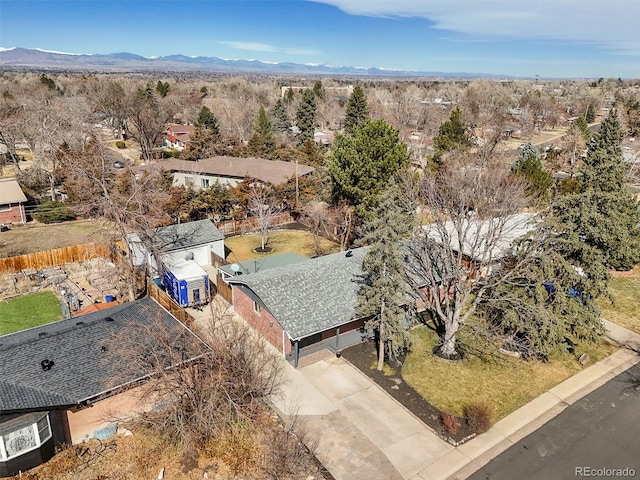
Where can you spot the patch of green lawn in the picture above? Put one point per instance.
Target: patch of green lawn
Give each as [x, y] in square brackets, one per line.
[623, 308]
[505, 384]
[281, 241]
[29, 311]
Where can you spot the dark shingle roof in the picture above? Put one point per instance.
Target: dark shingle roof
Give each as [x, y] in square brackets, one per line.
[185, 235]
[312, 296]
[81, 370]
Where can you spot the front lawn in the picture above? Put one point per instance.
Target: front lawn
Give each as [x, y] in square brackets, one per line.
[281, 241]
[625, 298]
[29, 311]
[503, 383]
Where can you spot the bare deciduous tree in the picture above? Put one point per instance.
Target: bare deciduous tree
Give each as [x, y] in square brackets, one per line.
[263, 208]
[472, 225]
[129, 202]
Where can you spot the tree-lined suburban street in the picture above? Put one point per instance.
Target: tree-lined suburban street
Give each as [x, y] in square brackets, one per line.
[598, 434]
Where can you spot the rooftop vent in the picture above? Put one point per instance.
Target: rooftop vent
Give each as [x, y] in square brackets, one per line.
[349, 253]
[104, 348]
[189, 256]
[42, 334]
[109, 319]
[80, 323]
[46, 364]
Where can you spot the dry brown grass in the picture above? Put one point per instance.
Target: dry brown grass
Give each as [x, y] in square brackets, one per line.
[282, 241]
[37, 237]
[250, 454]
[622, 309]
[505, 383]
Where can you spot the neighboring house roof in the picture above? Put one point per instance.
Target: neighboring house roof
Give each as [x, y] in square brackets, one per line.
[10, 192]
[82, 370]
[310, 297]
[268, 171]
[94, 307]
[258, 265]
[181, 235]
[508, 229]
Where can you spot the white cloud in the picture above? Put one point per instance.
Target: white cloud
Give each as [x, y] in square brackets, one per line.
[265, 47]
[607, 23]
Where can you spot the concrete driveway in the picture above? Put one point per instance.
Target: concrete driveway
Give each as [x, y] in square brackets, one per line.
[362, 432]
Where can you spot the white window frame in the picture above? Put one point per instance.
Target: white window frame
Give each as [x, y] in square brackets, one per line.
[5, 207]
[39, 442]
[205, 183]
[257, 308]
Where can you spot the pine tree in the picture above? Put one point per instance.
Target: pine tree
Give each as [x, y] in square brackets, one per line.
[452, 135]
[361, 165]
[602, 220]
[590, 116]
[261, 142]
[306, 116]
[357, 110]
[383, 291]
[279, 118]
[206, 119]
[528, 166]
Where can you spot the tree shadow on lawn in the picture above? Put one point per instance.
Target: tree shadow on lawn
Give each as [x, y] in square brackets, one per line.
[363, 357]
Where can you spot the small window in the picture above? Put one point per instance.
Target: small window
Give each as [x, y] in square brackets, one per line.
[204, 182]
[44, 430]
[6, 207]
[23, 434]
[256, 307]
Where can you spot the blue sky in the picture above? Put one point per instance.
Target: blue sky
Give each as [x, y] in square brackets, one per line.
[550, 38]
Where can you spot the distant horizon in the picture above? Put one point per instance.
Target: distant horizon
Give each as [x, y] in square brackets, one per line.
[332, 70]
[550, 39]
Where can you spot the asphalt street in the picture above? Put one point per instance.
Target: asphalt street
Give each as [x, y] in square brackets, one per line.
[596, 437]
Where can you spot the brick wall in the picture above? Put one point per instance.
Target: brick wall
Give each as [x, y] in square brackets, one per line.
[13, 215]
[263, 322]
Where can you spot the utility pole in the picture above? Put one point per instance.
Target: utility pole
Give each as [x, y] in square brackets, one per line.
[297, 186]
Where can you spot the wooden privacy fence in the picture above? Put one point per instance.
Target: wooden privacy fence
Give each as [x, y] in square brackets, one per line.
[233, 227]
[53, 258]
[169, 304]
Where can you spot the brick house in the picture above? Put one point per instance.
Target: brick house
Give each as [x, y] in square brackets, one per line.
[301, 306]
[12, 200]
[60, 382]
[176, 136]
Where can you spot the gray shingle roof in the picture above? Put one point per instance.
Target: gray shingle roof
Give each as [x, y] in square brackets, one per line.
[81, 370]
[312, 296]
[185, 235]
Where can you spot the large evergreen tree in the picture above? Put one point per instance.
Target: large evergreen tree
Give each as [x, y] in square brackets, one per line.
[361, 165]
[206, 119]
[602, 220]
[528, 166]
[590, 116]
[357, 110]
[279, 118]
[452, 135]
[548, 304]
[306, 116]
[262, 142]
[383, 290]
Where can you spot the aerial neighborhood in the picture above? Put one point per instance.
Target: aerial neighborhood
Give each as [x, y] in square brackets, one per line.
[282, 276]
